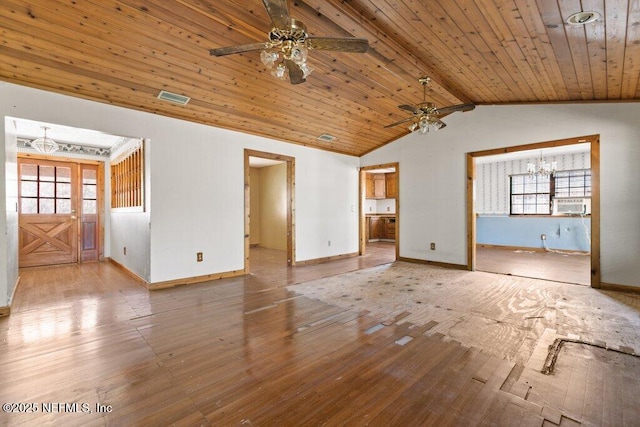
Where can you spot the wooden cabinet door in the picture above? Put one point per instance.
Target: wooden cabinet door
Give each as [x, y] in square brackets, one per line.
[369, 193]
[390, 228]
[376, 228]
[379, 186]
[390, 179]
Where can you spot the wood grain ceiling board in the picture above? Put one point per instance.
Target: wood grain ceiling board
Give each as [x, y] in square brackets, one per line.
[124, 52]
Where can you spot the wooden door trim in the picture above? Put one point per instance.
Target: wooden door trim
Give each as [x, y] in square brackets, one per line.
[290, 188]
[101, 187]
[594, 141]
[362, 214]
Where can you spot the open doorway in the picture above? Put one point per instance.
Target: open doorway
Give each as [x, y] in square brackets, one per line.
[525, 222]
[269, 205]
[61, 196]
[380, 209]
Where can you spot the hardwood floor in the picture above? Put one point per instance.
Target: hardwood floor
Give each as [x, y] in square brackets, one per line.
[85, 345]
[559, 267]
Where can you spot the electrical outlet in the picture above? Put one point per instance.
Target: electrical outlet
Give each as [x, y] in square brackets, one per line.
[433, 246]
[125, 250]
[329, 244]
[388, 208]
[543, 236]
[199, 257]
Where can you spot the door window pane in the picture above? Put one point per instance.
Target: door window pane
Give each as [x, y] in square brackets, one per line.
[63, 190]
[29, 206]
[63, 206]
[46, 206]
[89, 207]
[89, 176]
[29, 189]
[63, 174]
[47, 189]
[47, 173]
[29, 172]
[88, 191]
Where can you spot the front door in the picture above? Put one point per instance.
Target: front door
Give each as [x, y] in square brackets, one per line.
[53, 195]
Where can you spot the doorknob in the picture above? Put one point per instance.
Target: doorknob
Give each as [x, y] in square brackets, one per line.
[74, 217]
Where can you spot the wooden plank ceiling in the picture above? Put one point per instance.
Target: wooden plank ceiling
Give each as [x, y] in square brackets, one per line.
[123, 52]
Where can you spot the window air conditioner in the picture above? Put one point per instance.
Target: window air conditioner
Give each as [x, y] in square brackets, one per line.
[572, 206]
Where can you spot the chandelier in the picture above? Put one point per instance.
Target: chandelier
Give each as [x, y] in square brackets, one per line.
[44, 145]
[541, 168]
[287, 48]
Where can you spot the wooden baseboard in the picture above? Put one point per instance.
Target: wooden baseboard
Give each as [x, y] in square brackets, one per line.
[129, 273]
[195, 279]
[619, 288]
[434, 263]
[325, 259]
[6, 310]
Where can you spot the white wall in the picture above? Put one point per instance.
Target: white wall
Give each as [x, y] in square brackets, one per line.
[196, 174]
[433, 176]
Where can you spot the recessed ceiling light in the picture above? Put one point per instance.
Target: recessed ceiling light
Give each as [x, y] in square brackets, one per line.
[326, 137]
[583, 18]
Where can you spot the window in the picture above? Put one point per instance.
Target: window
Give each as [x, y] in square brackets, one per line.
[127, 180]
[530, 195]
[45, 189]
[575, 183]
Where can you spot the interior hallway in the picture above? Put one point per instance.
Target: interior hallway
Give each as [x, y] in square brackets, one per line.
[250, 351]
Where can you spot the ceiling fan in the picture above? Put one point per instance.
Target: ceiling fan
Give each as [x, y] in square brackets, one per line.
[286, 51]
[425, 115]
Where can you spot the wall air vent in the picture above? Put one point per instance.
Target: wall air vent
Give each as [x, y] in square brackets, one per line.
[326, 137]
[173, 97]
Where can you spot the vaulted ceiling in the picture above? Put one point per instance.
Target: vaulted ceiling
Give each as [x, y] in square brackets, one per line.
[123, 52]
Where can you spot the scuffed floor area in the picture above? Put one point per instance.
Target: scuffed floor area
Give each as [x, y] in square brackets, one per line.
[502, 315]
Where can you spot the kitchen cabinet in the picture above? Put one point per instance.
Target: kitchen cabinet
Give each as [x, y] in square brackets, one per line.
[376, 227]
[390, 185]
[390, 228]
[380, 186]
[369, 193]
[381, 227]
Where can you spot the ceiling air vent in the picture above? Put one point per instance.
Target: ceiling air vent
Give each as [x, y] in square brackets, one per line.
[173, 97]
[326, 137]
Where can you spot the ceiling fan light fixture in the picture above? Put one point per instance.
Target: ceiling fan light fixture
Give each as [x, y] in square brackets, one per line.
[268, 58]
[280, 71]
[45, 145]
[582, 18]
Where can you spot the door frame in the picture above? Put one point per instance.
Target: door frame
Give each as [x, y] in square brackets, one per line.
[290, 186]
[594, 141]
[100, 187]
[363, 215]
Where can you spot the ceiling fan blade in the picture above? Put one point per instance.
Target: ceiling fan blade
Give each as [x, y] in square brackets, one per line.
[296, 76]
[278, 12]
[338, 44]
[222, 51]
[408, 119]
[453, 108]
[411, 108]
